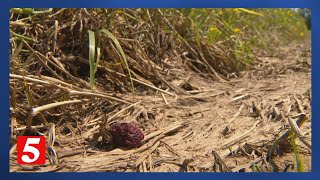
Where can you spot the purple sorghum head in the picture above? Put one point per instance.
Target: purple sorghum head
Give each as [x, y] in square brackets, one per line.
[126, 135]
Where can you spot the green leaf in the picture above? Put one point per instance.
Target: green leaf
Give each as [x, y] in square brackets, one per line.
[28, 94]
[250, 12]
[92, 47]
[118, 46]
[98, 59]
[297, 155]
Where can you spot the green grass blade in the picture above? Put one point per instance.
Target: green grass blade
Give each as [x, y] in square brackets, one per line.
[255, 168]
[28, 95]
[21, 36]
[118, 46]
[297, 155]
[250, 12]
[98, 60]
[92, 47]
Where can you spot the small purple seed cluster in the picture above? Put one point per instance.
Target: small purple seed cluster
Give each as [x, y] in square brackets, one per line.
[126, 135]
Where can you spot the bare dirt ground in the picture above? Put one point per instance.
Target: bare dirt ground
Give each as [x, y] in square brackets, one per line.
[218, 126]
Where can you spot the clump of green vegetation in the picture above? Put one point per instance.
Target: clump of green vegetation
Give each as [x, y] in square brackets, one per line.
[247, 30]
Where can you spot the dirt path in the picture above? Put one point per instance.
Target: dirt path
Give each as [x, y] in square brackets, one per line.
[215, 116]
[222, 118]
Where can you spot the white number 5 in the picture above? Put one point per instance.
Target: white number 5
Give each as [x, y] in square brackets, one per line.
[33, 150]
